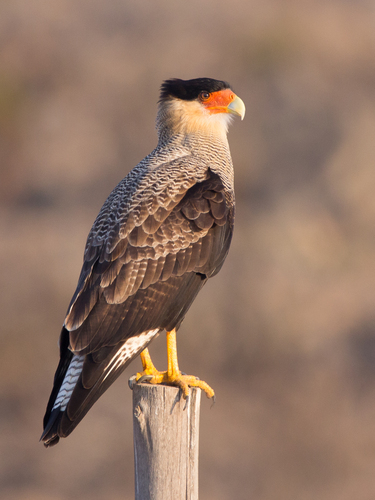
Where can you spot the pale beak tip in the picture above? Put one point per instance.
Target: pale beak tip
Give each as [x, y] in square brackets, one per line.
[237, 107]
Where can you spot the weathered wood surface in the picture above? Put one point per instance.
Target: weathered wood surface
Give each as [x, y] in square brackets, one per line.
[166, 441]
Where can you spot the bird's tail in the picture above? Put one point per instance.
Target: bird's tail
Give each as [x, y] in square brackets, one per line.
[81, 379]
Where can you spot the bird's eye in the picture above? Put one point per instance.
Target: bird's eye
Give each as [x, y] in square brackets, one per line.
[204, 96]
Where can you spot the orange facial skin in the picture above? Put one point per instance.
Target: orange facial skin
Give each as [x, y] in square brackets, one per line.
[218, 102]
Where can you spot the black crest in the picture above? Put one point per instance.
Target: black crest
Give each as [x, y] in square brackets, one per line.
[188, 90]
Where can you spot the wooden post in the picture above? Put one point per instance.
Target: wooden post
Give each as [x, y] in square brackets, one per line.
[166, 440]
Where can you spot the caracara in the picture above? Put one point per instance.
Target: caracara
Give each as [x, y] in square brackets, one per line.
[163, 231]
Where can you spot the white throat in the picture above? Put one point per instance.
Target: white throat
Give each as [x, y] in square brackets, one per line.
[190, 117]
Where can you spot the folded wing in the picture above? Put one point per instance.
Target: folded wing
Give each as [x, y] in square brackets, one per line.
[143, 267]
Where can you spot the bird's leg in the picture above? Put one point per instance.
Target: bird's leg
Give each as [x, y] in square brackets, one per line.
[149, 373]
[173, 375]
[147, 364]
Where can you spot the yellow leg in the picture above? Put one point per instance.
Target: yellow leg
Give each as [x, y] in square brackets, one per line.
[148, 365]
[173, 375]
[150, 373]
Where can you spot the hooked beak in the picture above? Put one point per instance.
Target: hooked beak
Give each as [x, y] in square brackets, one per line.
[237, 107]
[225, 101]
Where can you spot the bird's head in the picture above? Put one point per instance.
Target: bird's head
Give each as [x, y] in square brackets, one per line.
[202, 105]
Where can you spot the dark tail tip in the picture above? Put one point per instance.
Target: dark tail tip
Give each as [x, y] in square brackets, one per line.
[50, 435]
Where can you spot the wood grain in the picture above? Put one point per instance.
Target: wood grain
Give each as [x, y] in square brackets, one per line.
[166, 442]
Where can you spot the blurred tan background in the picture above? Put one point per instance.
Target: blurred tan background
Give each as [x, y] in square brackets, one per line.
[286, 332]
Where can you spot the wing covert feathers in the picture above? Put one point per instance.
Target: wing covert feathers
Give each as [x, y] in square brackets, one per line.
[158, 243]
[151, 249]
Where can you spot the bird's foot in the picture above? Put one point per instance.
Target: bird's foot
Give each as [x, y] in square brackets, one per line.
[186, 381]
[150, 373]
[151, 376]
[177, 379]
[173, 375]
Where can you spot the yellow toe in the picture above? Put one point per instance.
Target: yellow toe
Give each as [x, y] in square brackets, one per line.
[173, 375]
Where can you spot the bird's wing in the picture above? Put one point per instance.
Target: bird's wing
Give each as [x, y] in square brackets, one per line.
[172, 234]
[142, 270]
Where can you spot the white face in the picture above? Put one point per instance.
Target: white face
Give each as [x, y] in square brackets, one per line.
[192, 117]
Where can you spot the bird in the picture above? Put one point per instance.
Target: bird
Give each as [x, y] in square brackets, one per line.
[161, 234]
